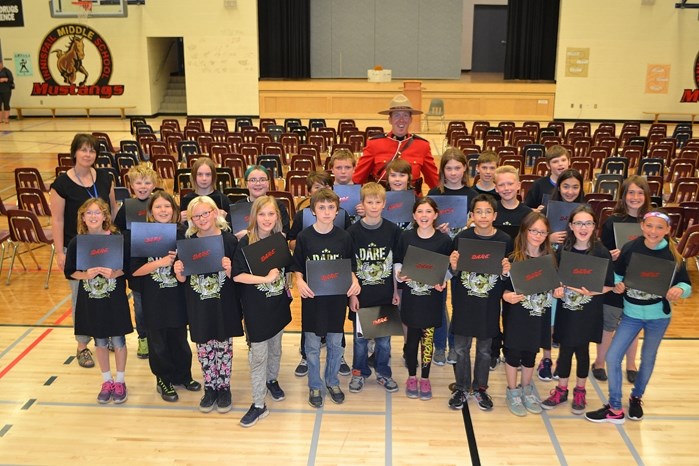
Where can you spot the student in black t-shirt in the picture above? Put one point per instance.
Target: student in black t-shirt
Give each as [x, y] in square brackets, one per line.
[558, 161]
[510, 210]
[203, 177]
[476, 308]
[485, 167]
[375, 240]
[265, 302]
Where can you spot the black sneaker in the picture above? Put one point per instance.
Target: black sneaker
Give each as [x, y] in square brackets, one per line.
[457, 400]
[635, 408]
[493, 363]
[344, 367]
[166, 390]
[336, 394]
[206, 405]
[599, 373]
[275, 390]
[192, 386]
[302, 369]
[484, 401]
[544, 370]
[253, 415]
[223, 400]
[605, 414]
[631, 375]
[315, 398]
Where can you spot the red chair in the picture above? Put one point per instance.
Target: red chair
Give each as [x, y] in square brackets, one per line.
[25, 229]
[29, 177]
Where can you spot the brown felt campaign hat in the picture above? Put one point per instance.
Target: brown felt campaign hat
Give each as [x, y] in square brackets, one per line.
[400, 103]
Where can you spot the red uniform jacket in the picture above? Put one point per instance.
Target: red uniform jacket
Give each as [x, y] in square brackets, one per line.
[380, 150]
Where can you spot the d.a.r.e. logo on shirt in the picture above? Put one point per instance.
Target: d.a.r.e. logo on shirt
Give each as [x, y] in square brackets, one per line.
[75, 60]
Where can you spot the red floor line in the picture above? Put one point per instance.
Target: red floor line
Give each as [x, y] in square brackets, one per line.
[63, 317]
[25, 352]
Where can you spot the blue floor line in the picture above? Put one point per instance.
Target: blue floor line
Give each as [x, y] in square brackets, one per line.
[313, 450]
[552, 434]
[388, 426]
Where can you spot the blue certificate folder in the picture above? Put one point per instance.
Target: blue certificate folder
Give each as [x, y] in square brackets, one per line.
[480, 256]
[309, 219]
[399, 206]
[452, 210]
[425, 266]
[329, 277]
[349, 196]
[535, 275]
[558, 212]
[201, 255]
[99, 251]
[240, 216]
[153, 239]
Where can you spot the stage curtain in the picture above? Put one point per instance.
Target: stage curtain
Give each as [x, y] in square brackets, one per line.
[532, 35]
[284, 31]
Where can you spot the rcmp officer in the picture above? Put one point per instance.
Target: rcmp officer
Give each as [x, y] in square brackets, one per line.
[399, 143]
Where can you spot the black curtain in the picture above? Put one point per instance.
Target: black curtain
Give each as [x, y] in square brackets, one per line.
[284, 28]
[532, 36]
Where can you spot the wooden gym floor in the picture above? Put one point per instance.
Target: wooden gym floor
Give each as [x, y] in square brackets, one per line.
[49, 415]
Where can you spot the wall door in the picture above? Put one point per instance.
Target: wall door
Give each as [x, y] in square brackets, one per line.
[489, 35]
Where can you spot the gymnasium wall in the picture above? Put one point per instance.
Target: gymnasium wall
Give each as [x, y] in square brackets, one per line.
[624, 37]
[220, 48]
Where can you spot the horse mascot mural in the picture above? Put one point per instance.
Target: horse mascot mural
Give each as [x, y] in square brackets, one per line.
[70, 62]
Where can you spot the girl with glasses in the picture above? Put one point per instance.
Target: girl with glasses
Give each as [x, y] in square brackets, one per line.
[257, 180]
[579, 313]
[213, 307]
[526, 318]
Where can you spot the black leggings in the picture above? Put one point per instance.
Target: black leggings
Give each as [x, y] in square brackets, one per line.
[5, 100]
[419, 337]
[582, 359]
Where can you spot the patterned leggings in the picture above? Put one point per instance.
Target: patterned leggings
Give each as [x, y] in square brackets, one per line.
[216, 359]
[419, 337]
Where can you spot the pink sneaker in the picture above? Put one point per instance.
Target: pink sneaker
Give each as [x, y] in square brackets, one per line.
[411, 388]
[119, 395]
[425, 389]
[105, 393]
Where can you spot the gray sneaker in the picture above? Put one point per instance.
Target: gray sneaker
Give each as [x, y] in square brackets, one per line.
[357, 382]
[451, 357]
[388, 383]
[439, 357]
[531, 402]
[336, 394]
[514, 401]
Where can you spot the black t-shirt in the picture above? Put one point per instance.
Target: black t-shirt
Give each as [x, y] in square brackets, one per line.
[535, 195]
[421, 304]
[492, 192]
[322, 314]
[374, 250]
[75, 195]
[265, 306]
[297, 225]
[162, 296]
[475, 296]
[511, 216]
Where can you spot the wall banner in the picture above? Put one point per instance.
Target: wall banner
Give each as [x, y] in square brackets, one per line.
[11, 14]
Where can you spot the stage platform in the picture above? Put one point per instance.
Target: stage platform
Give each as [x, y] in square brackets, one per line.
[476, 96]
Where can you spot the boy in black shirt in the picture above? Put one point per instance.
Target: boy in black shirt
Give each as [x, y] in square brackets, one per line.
[558, 161]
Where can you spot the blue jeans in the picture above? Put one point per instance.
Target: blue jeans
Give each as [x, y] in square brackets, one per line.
[382, 352]
[335, 351]
[119, 341]
[653, 331]
[442, 333]
[138, 313]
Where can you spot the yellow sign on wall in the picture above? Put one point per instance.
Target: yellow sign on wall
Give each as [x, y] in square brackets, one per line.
[657, 79]
[577, 62]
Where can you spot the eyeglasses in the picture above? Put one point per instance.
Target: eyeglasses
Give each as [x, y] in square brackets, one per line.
[257, 180]
[93, 213]
[482, 213]
[583, 224]
[537, 232]
[203, 215]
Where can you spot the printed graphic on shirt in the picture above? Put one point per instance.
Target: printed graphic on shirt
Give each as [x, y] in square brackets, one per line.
[208, 286]
[99, 287]
[374, 264]
[325, 255]
[163, 276]
[574, 301]
[478, 284]
[273, 289]
[537, 303]
[641, 295]
[419, 289]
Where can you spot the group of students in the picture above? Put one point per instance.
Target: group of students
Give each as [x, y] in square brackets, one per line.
[234, 302]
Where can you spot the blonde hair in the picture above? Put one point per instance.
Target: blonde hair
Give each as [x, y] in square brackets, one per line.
[107, 224]
[219, 222]
[143, 171]
[506, 169]
[160, 194]
[372, 189]
[670, 243]
[257, 205]
[342, 154]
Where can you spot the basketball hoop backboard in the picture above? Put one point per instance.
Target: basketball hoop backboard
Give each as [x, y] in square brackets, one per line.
[88, 8]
